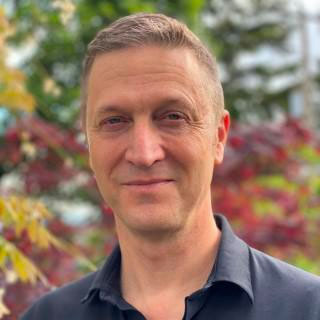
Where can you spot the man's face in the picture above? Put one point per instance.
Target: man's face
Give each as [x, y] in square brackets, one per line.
[152, 137]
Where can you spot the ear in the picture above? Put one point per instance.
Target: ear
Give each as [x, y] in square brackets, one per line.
[221, 132]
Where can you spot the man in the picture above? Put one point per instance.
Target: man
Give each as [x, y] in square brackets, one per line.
[153, 114]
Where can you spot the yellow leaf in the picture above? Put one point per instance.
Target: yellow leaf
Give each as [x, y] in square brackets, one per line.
[3, 309]
[2, 207]
[32, 230]
[11, 276]
[26, 214]
[17, 99]
[42, 211]
[11, 214]
[3, 252]
[13, 93]
[43, 239]
[24, 268]
[20, 267]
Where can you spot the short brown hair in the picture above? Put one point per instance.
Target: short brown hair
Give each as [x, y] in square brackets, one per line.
[142, 29]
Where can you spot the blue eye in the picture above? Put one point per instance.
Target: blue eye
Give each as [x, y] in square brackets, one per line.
[113, 123]
[174, 116]
[113, 120]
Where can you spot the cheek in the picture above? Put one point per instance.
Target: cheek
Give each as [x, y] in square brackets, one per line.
[199, 147]
[195, 156]
[98, 156]
[106, 159]
[203, 159]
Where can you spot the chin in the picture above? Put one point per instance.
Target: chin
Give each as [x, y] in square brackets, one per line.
[156, 232]
[151, 222]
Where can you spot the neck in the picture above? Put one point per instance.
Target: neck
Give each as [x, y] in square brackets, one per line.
[170, 269]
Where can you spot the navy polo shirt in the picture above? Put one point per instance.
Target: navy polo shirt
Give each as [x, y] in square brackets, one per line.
[244, 284]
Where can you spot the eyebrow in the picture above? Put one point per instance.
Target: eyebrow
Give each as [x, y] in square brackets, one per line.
[165, 103]
[106, 109]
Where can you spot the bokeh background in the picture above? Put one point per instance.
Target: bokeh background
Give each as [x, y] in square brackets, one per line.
[54, 226]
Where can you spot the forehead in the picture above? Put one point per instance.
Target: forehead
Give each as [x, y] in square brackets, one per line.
[145, 66]
[128, 59]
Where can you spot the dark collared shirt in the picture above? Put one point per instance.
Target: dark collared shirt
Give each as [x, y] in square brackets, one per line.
[244, 284]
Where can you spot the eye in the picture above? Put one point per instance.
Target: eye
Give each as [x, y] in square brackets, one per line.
[113, 120]
[174, 116]
[113, 123]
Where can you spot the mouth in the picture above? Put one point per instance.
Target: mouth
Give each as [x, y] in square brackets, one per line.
[149, 182]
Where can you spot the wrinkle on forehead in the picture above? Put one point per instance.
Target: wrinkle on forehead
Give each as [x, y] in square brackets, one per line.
[131, 70]
[135, 68]
[169, 64]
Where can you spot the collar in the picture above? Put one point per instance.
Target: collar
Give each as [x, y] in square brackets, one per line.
[233, 259]
[232, 265]
[107, 278]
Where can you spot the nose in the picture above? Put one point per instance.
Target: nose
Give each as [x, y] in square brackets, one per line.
[144, 145]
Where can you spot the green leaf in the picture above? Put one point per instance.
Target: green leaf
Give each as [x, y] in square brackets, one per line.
[278, 182]
[303, 262]
[266, 207]
[309, 154]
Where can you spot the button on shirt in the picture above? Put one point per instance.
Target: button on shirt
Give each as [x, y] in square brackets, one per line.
[244, 284]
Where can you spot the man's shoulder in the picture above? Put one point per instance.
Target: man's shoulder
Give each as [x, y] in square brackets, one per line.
[67, 297]
[270, 271]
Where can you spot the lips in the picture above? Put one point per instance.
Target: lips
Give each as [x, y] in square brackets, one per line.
[147, 182]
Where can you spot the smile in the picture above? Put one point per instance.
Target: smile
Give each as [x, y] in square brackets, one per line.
[147, 185]
[147, 182]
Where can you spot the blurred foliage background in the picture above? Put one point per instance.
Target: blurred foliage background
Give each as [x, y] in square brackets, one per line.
[54, 226]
